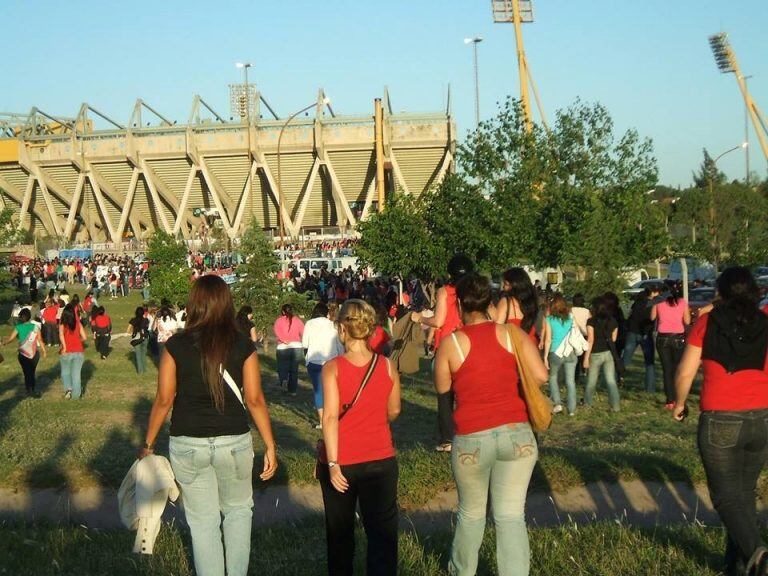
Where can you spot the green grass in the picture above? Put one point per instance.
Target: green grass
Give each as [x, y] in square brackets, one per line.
[590, 550]
[52, 442]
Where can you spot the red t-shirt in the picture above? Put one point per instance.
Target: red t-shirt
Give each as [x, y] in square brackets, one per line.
[364, 434]
[452, 318]
[72, 340]
[378, 340]
[102, 321]
[50, 314]
[486, 384]
[765, 308]
[742, 390]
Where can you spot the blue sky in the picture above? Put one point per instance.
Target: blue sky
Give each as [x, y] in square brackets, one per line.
[648, 62]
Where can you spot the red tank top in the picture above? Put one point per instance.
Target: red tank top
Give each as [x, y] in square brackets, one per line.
[519, 323]
[364, 434]
[452, 318]
[486, 384]
[72, 340]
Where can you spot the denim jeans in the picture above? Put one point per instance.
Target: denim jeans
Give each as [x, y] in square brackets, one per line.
[604, 361]
[501, 459]
[374, 486]
[569, 367]
[734, 449]
[215, 476]
[71, 366]
[670, 347]
[141, 356]
[645, 342]
[288, 361]
[315, 372]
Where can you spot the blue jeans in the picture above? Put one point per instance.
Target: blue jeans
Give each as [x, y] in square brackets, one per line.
[215, 476]
[645, 342]
[604, 361]
[501, 459]
[71, 366]
[315, 375]
[569, 365]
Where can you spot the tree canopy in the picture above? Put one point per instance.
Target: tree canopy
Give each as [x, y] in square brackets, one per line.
[169, 274]
[576, 195]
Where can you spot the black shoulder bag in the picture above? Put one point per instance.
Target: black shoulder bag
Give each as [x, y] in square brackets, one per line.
[322, 454]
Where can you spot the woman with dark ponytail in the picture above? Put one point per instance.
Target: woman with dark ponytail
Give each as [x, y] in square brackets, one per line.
[731, 343]
[288, 330]
[671, 317]
[519, 304]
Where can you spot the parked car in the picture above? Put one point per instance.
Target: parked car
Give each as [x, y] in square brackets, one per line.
[638, 287]
[698, 298]
[761, 271]
[697, 270]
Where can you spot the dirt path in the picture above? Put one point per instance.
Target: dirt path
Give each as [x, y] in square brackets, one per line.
[634, 502]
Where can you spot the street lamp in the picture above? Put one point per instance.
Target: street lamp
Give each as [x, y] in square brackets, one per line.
[712, 173]
[746, 130]
[475, 41]
[245, 66]
[326, 101]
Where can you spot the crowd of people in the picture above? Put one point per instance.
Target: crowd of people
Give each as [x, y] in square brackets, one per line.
[483, 343]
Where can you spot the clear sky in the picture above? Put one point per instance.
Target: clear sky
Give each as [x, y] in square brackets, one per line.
[649, 62]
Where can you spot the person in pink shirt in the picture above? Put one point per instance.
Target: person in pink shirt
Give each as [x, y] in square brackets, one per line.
[671, 316]
[288, 331]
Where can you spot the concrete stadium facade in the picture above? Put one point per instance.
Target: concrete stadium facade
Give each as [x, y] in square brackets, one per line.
[69, 180]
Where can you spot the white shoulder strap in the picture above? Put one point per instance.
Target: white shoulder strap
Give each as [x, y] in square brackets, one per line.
[232, 385]
[456, 343]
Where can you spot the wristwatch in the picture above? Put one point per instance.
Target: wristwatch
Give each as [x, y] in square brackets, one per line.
[331, 464]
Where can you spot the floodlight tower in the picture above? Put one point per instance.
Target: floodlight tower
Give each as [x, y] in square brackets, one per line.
[725, 58]
[519, 12]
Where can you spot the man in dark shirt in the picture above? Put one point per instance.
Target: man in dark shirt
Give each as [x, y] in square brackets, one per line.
[640, 333]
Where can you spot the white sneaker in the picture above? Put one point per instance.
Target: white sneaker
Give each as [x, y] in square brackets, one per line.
[557, 409]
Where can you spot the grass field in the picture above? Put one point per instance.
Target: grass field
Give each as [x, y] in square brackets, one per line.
[53, 442]
[591, 550]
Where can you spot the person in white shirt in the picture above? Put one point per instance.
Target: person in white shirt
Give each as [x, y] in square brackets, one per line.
[321, 344]
[581, 314]
[165, 326]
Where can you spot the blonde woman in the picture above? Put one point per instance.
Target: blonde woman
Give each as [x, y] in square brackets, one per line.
[361, 457]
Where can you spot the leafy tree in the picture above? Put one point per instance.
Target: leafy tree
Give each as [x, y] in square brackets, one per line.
[397, 241]
[708, 171]
[9, 237]
[257, 285]
[169, 274]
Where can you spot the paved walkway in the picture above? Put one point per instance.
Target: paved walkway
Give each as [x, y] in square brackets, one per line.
[633, 502]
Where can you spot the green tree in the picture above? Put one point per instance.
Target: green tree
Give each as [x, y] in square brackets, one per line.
[169, 273]
[9, 237]
[257, 285]
[397, 241]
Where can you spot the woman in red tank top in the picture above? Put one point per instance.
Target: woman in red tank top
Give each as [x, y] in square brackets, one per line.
[361, 457]
[445, 322]
[519, 304]
[494, 448]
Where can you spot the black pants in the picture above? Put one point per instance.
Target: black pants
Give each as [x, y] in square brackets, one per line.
[374, 486]
[28, 367]
[102, 344]
[51, 334]
[445, 417]
[670, 347]
[288, 367]
[734, 449]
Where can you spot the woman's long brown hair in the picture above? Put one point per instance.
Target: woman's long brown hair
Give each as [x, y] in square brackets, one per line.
[211, 319]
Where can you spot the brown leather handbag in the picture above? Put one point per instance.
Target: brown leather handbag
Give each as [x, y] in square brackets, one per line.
[539, 406]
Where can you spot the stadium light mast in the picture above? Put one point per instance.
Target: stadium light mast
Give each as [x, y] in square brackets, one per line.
[726, 61]
[519, 12]
[242, 99]
[475, 41]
